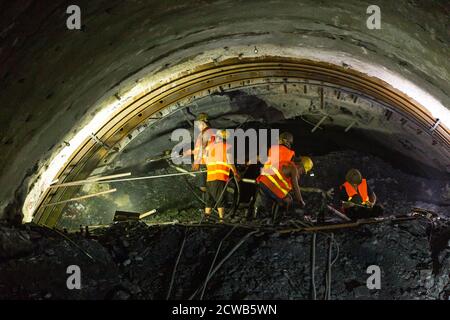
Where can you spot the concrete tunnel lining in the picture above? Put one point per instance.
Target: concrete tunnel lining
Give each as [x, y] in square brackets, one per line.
[298, 29]
[424, 117]
[106, 99]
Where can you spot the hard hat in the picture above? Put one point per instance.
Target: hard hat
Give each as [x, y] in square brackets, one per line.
[202, 117]
[307, 163]
[353, 176]
[286, 138]
[222, 133]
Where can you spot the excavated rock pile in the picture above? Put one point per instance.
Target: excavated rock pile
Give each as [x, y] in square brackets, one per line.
[135, 261]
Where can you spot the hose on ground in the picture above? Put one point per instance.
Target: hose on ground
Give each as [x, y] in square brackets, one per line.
[313, 266]
[176, 264]
[237, 197]
[327, 293]
[224, 260]
[214, 261]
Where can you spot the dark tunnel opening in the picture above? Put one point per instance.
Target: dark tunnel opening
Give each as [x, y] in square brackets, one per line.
[93, 121]
[337, 138]
[333, 142]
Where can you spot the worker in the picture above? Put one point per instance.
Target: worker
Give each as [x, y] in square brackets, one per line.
[358, 200]
[204, 138]
[279, 176]
[218, 165]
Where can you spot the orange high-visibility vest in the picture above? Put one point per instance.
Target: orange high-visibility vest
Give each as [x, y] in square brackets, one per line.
[362, 191]
[271, 174]
[216, 164]
[284, 154]
[201, 152]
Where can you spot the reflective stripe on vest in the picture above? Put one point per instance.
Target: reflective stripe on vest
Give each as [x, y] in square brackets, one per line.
[216, 164]
[362, 191]
[271, 176]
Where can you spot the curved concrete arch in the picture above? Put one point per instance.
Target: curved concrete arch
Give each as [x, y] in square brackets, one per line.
[203, 80]
[73, 79]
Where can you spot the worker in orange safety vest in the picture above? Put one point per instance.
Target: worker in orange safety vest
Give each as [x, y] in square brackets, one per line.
[279, 176]
[203, 140]
[358, 200]
[219, 166]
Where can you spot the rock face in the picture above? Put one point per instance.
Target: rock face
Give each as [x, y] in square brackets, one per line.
[135, 261]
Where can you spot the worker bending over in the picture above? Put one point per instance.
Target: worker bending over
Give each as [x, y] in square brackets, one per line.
[358, 200]
[218, 165]
[279, 176]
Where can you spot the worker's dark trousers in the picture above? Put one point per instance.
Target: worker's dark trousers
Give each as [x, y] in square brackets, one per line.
[355, 213]
[264, 204]
[214, 196]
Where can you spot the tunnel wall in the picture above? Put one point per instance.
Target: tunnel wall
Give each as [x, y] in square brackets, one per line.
[54, 80]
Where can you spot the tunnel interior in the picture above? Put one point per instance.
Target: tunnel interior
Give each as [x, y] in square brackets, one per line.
[338, 126]
[87, 122]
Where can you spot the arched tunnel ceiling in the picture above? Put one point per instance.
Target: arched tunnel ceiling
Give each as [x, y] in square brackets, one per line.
[55, 81]
[256, 73]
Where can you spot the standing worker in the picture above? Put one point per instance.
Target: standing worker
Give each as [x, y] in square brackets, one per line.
[358, 200]
[218, 165]
[279, 176]
[204, 139]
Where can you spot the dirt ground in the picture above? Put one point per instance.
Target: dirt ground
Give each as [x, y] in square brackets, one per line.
[131, 260]
[136, 260]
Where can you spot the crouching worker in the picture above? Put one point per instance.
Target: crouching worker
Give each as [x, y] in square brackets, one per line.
[218, 165]
[358, 200]
[279, 176]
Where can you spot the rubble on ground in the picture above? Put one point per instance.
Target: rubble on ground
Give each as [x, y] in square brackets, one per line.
[131, 260]
[135, 260]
